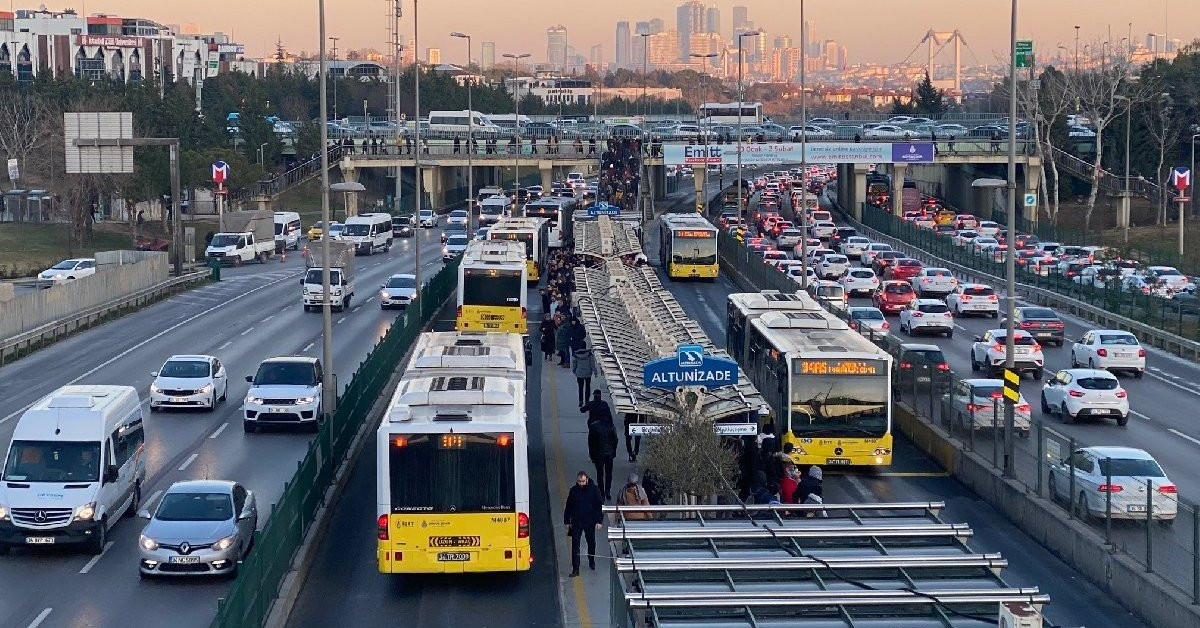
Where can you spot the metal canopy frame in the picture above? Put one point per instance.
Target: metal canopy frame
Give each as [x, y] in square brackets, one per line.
[605, 238]
[857, 566]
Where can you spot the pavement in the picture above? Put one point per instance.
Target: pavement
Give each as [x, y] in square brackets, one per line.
[252, 314]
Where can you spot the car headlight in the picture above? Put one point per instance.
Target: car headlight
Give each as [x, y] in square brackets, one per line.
[3, 512]
[254, 400]
[147, 543]
[224, 543]
[205, 389]
[445, 250]
[85, 512]
[383, 295]
[306, 400]
[155, 389]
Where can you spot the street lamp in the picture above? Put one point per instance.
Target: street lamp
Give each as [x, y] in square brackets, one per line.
[703, 203]
[645, 72]
[419, 184]
[470, 134]
[1077, 49]
[803, 151]
[1010, 302]
[328, 386]
[262, 160]
[1010, 258]
[1192, 171]
[517, 98]
[740, 104]
[1125, 188]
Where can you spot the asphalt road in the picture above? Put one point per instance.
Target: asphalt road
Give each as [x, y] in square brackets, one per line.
[254, 313]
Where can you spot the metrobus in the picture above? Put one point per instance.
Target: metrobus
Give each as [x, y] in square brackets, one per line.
[827, 386]
[727, 113]
[687, 246]
[534, 233]
[556, 210]
[491, 287]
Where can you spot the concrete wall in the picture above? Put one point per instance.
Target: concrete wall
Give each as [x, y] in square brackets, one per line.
[118, 273]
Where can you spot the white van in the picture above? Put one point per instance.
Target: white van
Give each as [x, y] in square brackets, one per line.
[74, 467]
[461, 121]
[493, 209]
[368, 233]
[287, 231]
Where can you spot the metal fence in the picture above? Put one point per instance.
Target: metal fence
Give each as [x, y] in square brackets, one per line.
[249, 599]
[1156, 528]
[1179, 315]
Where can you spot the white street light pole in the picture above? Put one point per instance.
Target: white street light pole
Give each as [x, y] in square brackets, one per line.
[703, 202]
[328, 385]
[470, 135]
[517, 98]
[1010, 258]
[420, 193]
[803, 151]
[741, 97]
[1192, 171]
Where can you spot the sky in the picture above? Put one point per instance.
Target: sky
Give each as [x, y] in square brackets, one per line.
[881, 31]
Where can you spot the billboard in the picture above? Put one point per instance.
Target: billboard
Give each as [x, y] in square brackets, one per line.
[816, 153]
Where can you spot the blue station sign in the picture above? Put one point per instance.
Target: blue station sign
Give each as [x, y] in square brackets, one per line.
[603, 209]
[690, 367]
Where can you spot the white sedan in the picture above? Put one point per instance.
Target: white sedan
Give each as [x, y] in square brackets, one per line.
[934, 281]
[964, 237]
[867, 257]
[1116, 475]
[854, 245]
[974, 298]
[978, 404]
[788, 238]
[833, 266]
[868, 321]
[887, 131]
[860, 281]
[1085, 393]
[189, 381]
[929, 316]
[1110, 349]
[987, 353]
[988, 228]
[823, 229]
[983, 244]
[67, 270]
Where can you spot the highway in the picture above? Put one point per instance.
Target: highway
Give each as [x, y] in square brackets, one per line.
[254, 313]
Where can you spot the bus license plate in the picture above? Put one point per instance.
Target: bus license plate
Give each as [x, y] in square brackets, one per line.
[837, 461]
[39, 540]
[453, 557]
[491, 325]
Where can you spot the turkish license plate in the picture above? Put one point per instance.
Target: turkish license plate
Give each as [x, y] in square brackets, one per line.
[279, 410]
[178, 400]
[185, 560]
[1136, 508]
[1044, 334]
[491, 325]
[454, 557]
[837, 461]
[39, 540]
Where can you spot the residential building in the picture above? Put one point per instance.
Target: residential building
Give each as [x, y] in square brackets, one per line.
[662, 48]
[596, 56]
[433, 56]
[487, 55]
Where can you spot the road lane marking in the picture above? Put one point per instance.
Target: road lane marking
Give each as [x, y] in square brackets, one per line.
[267, 318]
[341, 320]
[187, 463]
[95, 559]
[37, 621]
[219, 430]
[227, 343]
[356, 308]
[152, 339]
[1139, 415]
[959, 327]
[307, 347]
[248, 330]
[369, 299]
[1183, 436]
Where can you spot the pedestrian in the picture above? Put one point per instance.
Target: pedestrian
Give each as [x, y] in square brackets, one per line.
[602, 449]
[632, 494]
[545, 300]
[141, 220]
[633, 444]
[597, 408]
[547, 340]
[788, 483]
[809, 485]
[578, 332]
[583, 514]
[583, 366]
[562, 341]
[457, 145]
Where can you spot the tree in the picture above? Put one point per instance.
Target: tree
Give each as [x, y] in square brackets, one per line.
[900, 108]
[1163, 128]
[1046, 105]
[927, 99]
[689, 460]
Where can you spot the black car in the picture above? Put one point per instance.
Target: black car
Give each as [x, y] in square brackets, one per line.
[402, 226]
[924, 363]
[840, 234]
[1042, 323]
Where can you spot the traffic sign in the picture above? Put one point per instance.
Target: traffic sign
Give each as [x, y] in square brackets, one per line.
[1182, 199]
[1024, 53]
[1024, 45]
[1030, 200]
[1012, 385]
[603, 209]
[220, 172]
[721, 429]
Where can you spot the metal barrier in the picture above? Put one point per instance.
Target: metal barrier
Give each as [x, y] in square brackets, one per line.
[248, 601]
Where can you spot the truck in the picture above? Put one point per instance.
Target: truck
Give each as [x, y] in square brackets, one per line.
[911, 201]
[247, 236]
[341, 276]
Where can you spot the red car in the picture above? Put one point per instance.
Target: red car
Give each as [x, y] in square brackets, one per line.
[883, 260]
[893, 296]
[903, 269]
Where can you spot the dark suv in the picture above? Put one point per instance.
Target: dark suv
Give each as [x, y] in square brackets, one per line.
[1042, 323]
[924, 363]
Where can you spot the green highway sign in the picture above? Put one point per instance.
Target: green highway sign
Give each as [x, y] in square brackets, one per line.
[1024, 45]
[1024, 53]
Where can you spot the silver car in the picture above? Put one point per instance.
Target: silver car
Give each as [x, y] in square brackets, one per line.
[200, 527]
[398, 291]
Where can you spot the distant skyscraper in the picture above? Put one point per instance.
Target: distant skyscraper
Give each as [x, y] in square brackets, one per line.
[433, 56]
[689, 18]
[829, 53]
[741, 19]
[556, 46]
[782, 41]
[843, 58]
[712, 20]
[808, 36]
[637, 44]
[487, 55]
[596, 55]
[657, 26]
[622, 47]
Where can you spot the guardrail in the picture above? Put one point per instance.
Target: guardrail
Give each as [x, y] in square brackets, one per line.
[249, 600]
[26, 342]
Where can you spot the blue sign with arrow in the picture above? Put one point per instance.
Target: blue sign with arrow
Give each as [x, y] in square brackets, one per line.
[690, 367]
[603, 209]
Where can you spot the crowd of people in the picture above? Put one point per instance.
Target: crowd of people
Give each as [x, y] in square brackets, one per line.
[619, 176]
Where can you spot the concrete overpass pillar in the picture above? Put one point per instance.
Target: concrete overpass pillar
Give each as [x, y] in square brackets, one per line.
[1033, 184]
[898, 171]
[700, 178]
[350, 175]
[859, 191]
[547, 169]
[431, 178]
[658, 175]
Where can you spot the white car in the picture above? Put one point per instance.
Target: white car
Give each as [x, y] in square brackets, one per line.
[189, 381]
[285, 391]
[988, 228]
[854, 245]
[860, 281]
[927, 316]
[774, 257]
[831, 293]
[979, 404]
[873, 249]
[398, 291]
[1085, 393]
[934, 281]
[887, 131]
[1116, 475]
[954, 130]
[974, 298]
[816, 255]
[788, 238]
[987, 353]
[427, 218]
[868, 321]
[1110, 349]
[455, 245]
[67, 270]
[784, 265]
[823, 229]
[457, 217]
[833, 266]
[964, 237]
[796, 131]
[798, 271]
[983, 244]
[1169, 276]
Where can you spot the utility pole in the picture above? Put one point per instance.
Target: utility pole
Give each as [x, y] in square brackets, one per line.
[803, 152]
[398, 49]
[334, 78]
[1010, 258]
[470, 135]
[417, 153]
[329, 384]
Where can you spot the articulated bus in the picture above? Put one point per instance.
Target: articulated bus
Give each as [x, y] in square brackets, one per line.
[556, 210]
[491, 287]
[534, 233]
[452, 486]
[829, 388]
[687, 246]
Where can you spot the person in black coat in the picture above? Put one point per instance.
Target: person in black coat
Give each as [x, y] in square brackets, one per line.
[602, 449]
[583, 515]
[809, 485]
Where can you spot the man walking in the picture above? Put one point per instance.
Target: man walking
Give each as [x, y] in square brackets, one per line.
[602, 449]
[583, 366]
[583, 514]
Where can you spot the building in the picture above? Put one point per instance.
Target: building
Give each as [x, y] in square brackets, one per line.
[623, 52]
[553, 90]
[782, 41]
[662, 49]
[741, 19]
[656, 25]
[704, 44]
[433, 56]
[487, 55]
[712, 20]
[556, 46]
[808, 36]
[596, 55]
[689, 19]
[829, 53]
[634, 93]
[843, 58]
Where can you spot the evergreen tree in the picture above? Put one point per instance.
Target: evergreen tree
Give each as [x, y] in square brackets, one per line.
[927, 99]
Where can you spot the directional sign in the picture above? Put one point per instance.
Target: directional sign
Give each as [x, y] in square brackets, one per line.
[1024, 53]
[1031, 200]
[1012, 385]
[722, 429]
[603, 209]
[690, 367]
[220, 172]
[14, 171]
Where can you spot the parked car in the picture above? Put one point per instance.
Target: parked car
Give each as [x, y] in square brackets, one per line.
[1111, 349]
[1116, 475]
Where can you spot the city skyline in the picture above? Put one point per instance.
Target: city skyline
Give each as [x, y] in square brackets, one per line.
[984, 24]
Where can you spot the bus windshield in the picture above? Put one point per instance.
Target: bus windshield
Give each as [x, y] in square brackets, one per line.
[694, 250]
[492, 287]
[839, 405]
[452, 473]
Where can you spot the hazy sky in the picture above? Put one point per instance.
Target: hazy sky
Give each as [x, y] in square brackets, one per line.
[874, 30]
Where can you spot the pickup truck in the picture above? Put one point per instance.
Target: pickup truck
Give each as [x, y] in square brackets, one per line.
[246, 237]
[341, 277]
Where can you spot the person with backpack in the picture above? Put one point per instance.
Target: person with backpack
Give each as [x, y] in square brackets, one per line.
[602, 449]
[583, 514]
[632, 494]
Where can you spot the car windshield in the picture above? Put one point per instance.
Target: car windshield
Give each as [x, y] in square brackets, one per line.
[66, 265]
[286, 374]
[936, 272]
[1097, 383]
[830, 291]
[401, 282]
[456, 240]
[987, 391]
[898, 288]
[1023, 341]
[867, 315]
[336, 229]
[185, 368]
[1118, 339]
[402, 220]
[862, 274]
[314, 277]
[1167, 272]
[1130, 467]
[195, 507]
[53, 461]
[933, 356]
[978, 291]
[909, 262]
[458, 213]
[221, 239]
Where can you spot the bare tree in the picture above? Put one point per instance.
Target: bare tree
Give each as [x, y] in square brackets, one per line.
[689, 460]
[25, 122]
[1164, 128]
[1049, 103]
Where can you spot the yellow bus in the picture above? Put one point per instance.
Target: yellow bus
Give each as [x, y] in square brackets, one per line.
[452, 485]
[491, 287]
[687, 246]
[828, 387]
[534, 233]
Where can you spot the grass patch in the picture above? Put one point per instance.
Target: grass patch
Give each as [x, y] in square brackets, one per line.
[29, 248]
